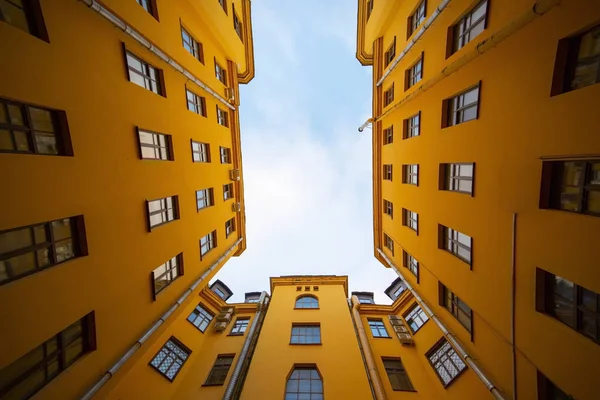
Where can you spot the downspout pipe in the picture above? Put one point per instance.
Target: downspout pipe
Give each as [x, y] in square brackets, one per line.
[414, 40]
[458, 347]
[136, 346]
[364, 341]
[513, 287]
[362, 353]
[367, 123]
[138, 37]
[262, 303]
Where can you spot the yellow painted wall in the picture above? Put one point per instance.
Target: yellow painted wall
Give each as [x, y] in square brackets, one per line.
[82, 71]
[205, 347]
[518, 124]
[338, 358]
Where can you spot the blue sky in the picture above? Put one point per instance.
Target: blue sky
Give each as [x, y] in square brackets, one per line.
[307, 170]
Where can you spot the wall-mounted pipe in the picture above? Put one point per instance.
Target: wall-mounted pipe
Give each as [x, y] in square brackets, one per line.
[136, 346]
[138, 37]
[458, 347]
[538, 9]
[262, 304]
[513, 288]
[362, 336]
[362, 352]
[415, 39]
[367, 123]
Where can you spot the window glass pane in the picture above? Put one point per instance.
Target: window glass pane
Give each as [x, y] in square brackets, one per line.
[569, 198]
[64, 250]
[572, 173]
[22, 141]
[479, 11]
[563, 288]
[41, 119]
[61, 229]
[471, 96]
[6, 142]
[589, 299]
[593, 201]
[20, 265]
[16, 115]
[46, 144]
[589, 325]
[74, 350]
[15, 240]
[29, 386]
[563, 310]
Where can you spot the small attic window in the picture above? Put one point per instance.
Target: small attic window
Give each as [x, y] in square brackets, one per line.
[298, 288]
[315, 288]
[306, 288]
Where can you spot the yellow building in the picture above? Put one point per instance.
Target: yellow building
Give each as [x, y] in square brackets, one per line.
[486, 166]
[121, 175]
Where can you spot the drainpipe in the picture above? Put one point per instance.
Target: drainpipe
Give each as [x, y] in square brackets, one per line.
[376, 380]
[136, 346]
[415, 38]
[460, 350]
[138, 37]
[538, 9]
[367, 123]
[513, 286]
[262, 304]
[362, 353]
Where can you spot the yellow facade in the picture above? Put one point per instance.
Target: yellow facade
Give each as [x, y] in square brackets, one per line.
[520, 125]
[78, 66]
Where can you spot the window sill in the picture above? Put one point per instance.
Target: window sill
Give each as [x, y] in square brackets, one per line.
[405, 390]
[212, 384]
[382, 337]
[236, 334]
[306, 344]
[305, 308]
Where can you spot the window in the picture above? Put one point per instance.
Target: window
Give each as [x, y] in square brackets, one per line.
[192, 45]
[571, 186]
[30, 129]
[166, 273]
[388, 135]
[461, 311]
[204, 198]
[388, 208]
[29, 374]
[223, 4]
[414, 74]
[195, 103]
[304, 383]
[307, 301]
[457, 177]
[200, 317]
[416, 19]
[397, 374]
[549, 391]
[446, 363]
[461, 108]
[143, 74]
[577, 62]
[387, 172]
[389, 243]
[225, 155]
[200, 152]
[390, 54]
[412, 126]
[149, 6]
[456, 243]
[229, 227]
[30, 249]
[240, 326]
[228, 191]
[219, 292]
[170, 359]
[306, 334]
[162, 211]
[415, 318]
[237, 24]
[220, 73]
[467, 28]
[219, 371]
[369, 8]
[207, 243]
[365, 300]
[411, 264]
[378, 328]
[410, 174]
[573, 305]
[410, 219]
[222, 117]
[399, 290]
[388, 96]
[25, 15]
[155, 146]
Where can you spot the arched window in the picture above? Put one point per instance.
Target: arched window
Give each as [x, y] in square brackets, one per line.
[304, 384]
[307, 302]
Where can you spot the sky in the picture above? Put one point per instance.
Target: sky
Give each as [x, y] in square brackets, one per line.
[306, 168]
